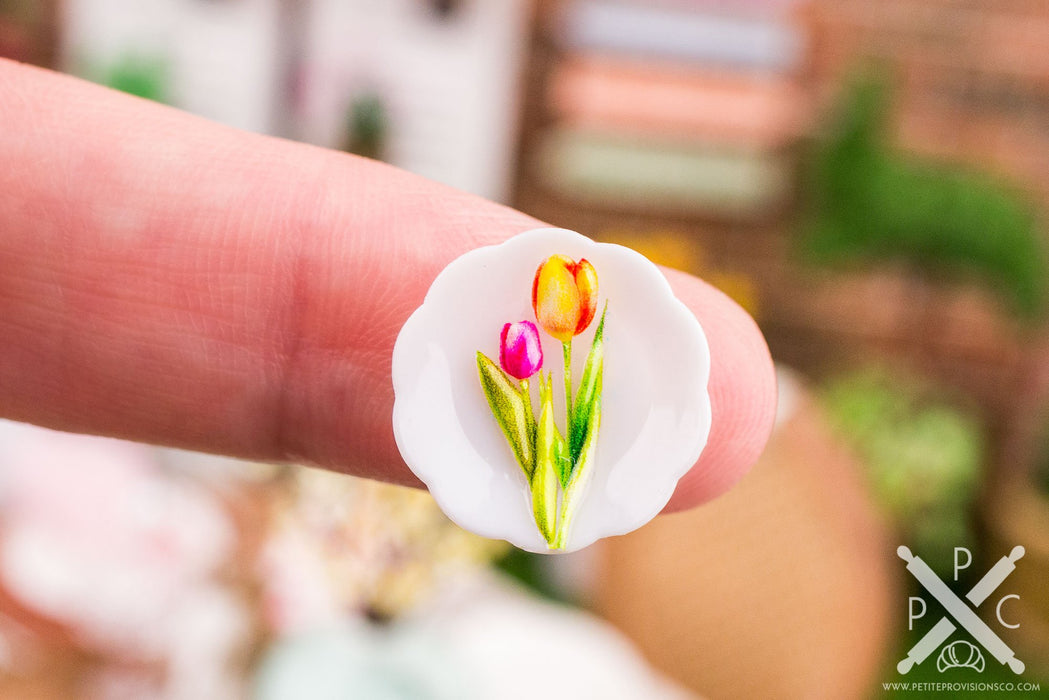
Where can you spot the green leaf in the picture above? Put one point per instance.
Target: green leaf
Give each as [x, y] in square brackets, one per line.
[550, 457]
[510, 411]
[589, 394]
[551, 446]
[544, 500]
[593, 423]
[581, 475]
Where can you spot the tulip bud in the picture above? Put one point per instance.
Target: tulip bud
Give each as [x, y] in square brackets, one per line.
[520, 352]
[564, 296]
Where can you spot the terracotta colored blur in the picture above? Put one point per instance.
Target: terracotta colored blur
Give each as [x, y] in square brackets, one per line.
[782, 588]
[626, 95]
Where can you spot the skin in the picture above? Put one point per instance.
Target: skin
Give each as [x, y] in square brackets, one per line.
[169, 280]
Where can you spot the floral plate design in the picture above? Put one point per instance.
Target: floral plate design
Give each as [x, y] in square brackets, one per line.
[492, 325]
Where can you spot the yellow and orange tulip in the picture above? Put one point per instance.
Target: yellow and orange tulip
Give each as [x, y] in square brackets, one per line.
[564, 296]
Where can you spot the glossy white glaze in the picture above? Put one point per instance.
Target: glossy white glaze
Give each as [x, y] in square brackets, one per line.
[655, 408]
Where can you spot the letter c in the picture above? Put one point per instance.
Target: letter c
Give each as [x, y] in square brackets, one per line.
[998, 611]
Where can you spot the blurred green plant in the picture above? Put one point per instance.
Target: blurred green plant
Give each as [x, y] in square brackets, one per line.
[367, 125]
[868, 202]
[922, 455]
[142, 76]
[532, 570]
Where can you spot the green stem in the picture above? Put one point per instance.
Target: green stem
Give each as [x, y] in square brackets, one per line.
[530, 423]
[566, 513]
[567, 347]
[564, 516]
[527, 398]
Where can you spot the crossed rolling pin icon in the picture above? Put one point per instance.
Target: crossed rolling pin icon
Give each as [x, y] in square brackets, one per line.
[962, 613]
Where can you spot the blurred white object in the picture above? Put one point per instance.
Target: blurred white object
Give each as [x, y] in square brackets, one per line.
[94, 537]
[686, 33]
[358, 660]
[483, 638]
[222, 57]
[520, 647]
[449, 83]
[789, 392]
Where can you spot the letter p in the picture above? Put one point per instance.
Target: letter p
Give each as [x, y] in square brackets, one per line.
[968, 560]
[911, 616]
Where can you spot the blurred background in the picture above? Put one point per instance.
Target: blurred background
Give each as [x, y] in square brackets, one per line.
[867, 179]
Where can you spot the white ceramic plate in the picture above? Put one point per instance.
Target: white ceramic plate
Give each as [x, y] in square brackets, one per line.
[655, 407]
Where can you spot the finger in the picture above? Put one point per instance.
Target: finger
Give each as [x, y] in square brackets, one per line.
[742, 390]
[169, 280]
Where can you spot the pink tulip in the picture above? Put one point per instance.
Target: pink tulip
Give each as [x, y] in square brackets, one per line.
[520, 352]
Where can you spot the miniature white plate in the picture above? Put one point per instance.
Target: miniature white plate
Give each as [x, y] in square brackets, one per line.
[655, 407]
